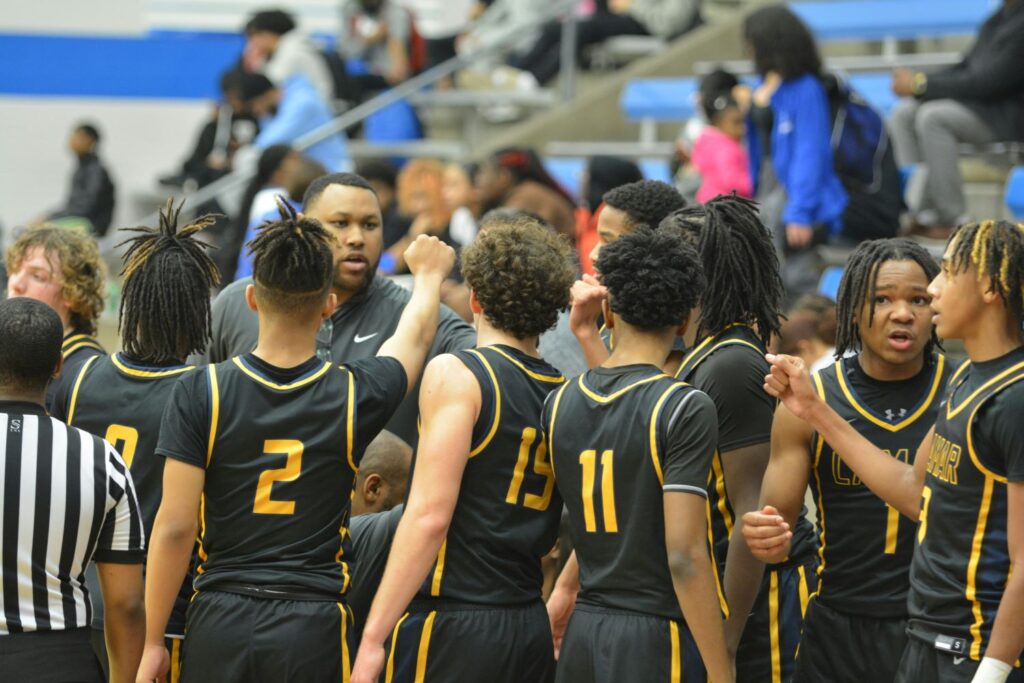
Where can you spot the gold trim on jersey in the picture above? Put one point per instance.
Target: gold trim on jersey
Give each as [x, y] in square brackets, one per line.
[214, 412]
[424, 647]
[551, 427]
[78, 384]
[804, 590]
[970, 421]
[175, 673]
[151, 374]
[282, 387]
[350, 424]
[972, 567]
[346, 663]
[952, 412]
[773, 626]
[435, 582]
[535, 375]
[658, 405]
[820, 497]
[676, 665]
[718, 477]
[497, 403]
[611, 397]
[905, 422]
[78, 341]
[389, 670]
[694, 357]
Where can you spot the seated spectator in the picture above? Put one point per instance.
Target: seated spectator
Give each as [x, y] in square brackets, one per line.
[602, 174]
[662, 18]
[297, 174]
[288, 112]
[383, 177]
[378, 33]
[809, 331]
[276, 48]
[91, 195]
[459, 196]
[419, 199]
[515, 178]
[439, 22]
[978, 101]
[719, 154]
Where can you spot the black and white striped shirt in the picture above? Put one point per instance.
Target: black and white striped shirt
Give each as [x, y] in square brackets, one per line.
[65, 497]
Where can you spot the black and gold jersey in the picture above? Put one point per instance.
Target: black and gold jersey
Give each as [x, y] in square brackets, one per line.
[507, 515]
[865, 545]
[962, 561]
[76, 348]
[730, 368]
[618, 439]
[280, 448]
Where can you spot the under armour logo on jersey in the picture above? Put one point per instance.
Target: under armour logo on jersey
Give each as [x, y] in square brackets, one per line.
[15, 427]
[891, 415]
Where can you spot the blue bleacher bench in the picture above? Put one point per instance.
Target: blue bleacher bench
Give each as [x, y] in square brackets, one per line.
[1015, 193]
[886, 19]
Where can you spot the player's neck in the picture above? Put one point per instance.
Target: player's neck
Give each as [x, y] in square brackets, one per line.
[994, 335]
[286, 343]
[22, 396]
[486, 335]
[875, 367]
[634, 347]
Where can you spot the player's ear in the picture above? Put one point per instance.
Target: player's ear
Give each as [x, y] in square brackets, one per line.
[474, 303]
[57, 368]
[606, 311]
[250, 297]
[329, 305]
[683, 326]
[372, 488]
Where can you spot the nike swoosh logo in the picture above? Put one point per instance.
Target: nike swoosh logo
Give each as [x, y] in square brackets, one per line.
[359, 340]
[958, 660]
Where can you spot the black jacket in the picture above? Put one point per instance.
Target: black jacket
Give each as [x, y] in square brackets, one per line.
[990, 79]
[92, 194]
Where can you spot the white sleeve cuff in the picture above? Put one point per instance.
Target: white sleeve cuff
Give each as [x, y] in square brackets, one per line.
[992, 671]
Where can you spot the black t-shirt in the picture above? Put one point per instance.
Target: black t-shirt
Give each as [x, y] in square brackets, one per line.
[76, 348]
[371, 536]
[280, 459]
[619, 438]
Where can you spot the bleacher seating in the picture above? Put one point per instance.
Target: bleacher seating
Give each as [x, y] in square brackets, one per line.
[1015, 193]
[891, 20]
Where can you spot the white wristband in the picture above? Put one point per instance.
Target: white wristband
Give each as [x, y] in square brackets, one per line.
[991, 671]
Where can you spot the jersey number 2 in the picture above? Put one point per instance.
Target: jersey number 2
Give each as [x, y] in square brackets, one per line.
[264, 504]
[541, 466]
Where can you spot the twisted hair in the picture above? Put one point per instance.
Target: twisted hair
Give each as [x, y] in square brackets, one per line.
[165, 303]
[858, 285]
[740, 264]
[292, 264]
[996, 248]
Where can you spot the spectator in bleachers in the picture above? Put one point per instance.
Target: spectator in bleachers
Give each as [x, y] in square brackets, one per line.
[91, 195]
[289, 111]
[603, 173]
[663, 18]
[377, 32]
[719, 154]
[460, 200]
[515, 178]
[420, 199]
[809, 331]
[276, 48]
[439, 23]
[978, 101]
[383, 177]
[297, 175]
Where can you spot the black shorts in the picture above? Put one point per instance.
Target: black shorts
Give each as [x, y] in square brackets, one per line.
[847, 648]
[614, 646]
[50, 657]
[772, 634]
[230, 637]
[459, 642]
[922, 662]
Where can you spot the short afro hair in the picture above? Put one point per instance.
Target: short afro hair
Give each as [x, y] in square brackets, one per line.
[31, 334]
[273, 21]
[317, 187]
[521, 273]
[654, 279]
[645, 202]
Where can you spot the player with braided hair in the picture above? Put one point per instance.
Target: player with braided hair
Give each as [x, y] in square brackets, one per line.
[965, 488]
[262, 451]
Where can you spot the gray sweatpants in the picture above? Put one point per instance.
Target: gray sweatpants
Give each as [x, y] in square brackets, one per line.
[928, 133]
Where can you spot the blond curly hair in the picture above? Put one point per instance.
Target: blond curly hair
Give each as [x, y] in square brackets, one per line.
[82, 272]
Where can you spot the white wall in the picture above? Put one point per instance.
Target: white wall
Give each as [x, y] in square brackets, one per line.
[103, 17]
[141, 140]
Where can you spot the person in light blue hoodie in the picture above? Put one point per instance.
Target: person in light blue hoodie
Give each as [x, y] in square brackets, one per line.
[803, 199]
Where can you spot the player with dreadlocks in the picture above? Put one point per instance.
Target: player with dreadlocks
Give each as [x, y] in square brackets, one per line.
[890, 390]
[261, 451]
[737, 314]
[966, 485]
[165, 316]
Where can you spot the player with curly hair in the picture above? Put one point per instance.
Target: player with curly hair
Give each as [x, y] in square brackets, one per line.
[482, 508]
[626, 208]
[631, 449]
[62, 268]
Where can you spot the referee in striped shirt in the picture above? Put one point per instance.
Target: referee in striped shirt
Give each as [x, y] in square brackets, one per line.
[65, 498]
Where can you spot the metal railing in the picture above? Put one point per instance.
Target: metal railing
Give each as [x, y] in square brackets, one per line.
[234, 180]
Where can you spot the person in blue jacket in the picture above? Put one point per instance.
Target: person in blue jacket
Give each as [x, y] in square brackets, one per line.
[790, 145]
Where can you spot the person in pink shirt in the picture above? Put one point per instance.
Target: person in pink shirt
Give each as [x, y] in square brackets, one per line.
[718, 152]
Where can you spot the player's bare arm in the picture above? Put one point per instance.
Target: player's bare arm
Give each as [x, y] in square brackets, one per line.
[895, 482]
[563, 599]
[587, 295]
[430, 261]
[449, 404]
[170, 549]
[1007, 640]
[124, 617]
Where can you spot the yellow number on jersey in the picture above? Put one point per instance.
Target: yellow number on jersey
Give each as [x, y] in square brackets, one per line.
[264, 504]
[588, 460]
[541, 466]
[126, 435]
[892, 525]
[922, 529]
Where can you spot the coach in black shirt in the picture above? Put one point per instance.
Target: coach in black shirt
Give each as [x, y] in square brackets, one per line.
[369, 305]
[66, 498]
